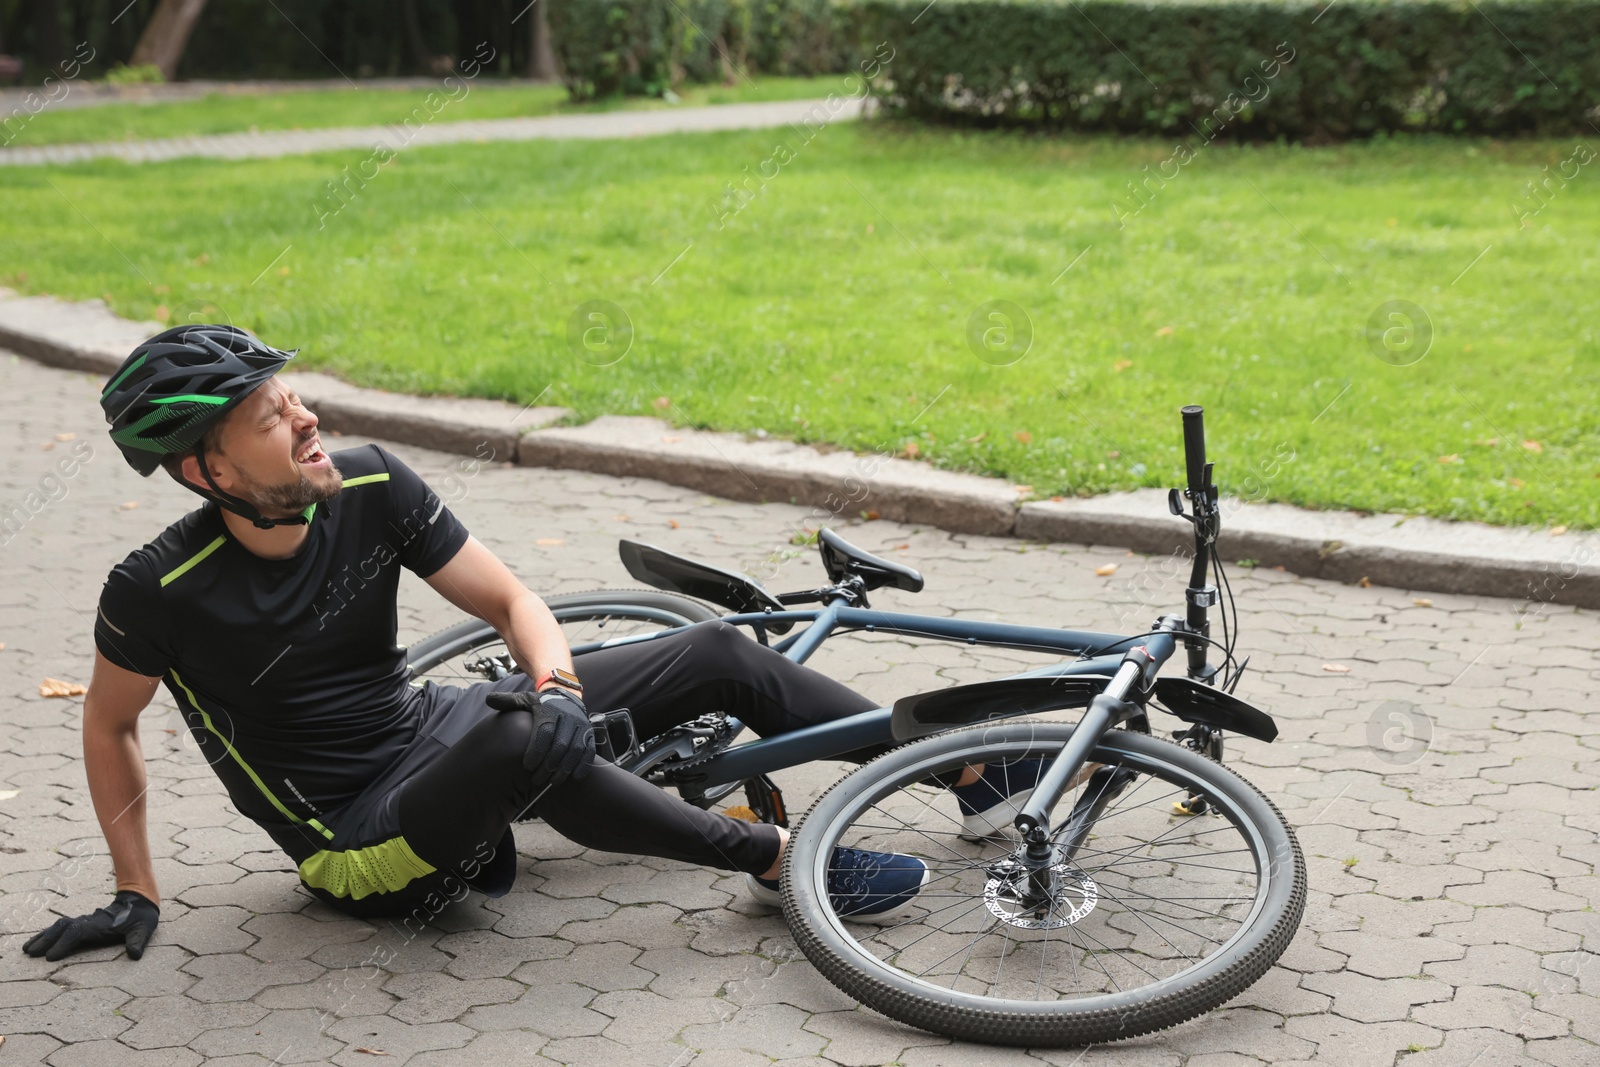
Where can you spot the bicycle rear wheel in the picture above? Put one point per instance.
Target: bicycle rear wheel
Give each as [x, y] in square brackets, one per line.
[586, 619]
[1154, 919]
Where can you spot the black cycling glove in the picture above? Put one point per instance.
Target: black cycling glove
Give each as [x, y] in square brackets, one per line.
[562, 745]
[130, 919]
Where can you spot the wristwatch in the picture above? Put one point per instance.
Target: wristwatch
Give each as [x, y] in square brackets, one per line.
[557, 676]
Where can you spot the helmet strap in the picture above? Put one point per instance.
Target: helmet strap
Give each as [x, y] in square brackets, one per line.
[242, 508]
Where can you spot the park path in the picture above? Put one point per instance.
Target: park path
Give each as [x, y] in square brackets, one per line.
[417, 132]
[1440, 772]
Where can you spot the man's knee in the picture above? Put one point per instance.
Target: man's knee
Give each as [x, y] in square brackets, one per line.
[504, 737]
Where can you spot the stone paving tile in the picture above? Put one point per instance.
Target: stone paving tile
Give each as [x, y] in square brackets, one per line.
[1463, 934]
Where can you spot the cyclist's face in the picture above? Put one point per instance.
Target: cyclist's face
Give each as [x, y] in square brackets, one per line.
[271, 448]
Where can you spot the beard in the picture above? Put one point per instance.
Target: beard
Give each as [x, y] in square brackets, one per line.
[295, 496]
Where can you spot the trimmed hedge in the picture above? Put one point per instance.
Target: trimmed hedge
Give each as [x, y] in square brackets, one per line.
[1245, 70]
[647, 47]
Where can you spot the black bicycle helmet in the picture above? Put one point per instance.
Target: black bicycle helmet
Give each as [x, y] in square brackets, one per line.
[179, 384]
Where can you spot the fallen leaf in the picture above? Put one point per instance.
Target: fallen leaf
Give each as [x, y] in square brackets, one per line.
[337, 433]
[66, 437]
[911, 450]
[673, 523]
[1280, 567]
[1488, 442]
[902, 548]
[1113, 455]
[127, 505]
[161, 313]
[1336, 668]
[1533, 446]
[1517, 483]
[1555, 531]
[1023, 488]
[670, 440]
[1365, 583]
[55, 687]
[202, 259]
[283, 272]
[1165, 331]
[1121, 365]
[2, 646]
[551, 541]
[979, 437]
[623, 518]
[373, 1051]
[742, 813]
[7, 794]
[1024, 436]
[1422, 602]
[1057, 499]
[1451, 458]
[1105, 571]
[870, 516]
[47, 446]
[661, 403]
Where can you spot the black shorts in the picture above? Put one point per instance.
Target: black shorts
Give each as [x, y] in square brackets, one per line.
[437, 823]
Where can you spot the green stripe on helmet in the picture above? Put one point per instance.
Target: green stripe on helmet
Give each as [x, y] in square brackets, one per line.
[135, 365]
[196, 398]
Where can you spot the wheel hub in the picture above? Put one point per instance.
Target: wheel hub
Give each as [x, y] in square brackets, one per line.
[1006, 895]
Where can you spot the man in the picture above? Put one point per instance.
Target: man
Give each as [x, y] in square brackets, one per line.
[269, 614]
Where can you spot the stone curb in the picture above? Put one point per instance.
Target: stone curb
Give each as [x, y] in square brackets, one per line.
[1418, 554]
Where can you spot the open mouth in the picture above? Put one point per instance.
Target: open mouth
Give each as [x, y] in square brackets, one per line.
[312, 455]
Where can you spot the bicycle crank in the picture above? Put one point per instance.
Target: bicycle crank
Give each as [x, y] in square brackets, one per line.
[1009, 896]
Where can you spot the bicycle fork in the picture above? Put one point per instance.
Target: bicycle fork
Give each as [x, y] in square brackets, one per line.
[1044, 856]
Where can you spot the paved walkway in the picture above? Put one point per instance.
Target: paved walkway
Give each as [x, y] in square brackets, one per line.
[420, 129]
[99, 94]
[1442, 787]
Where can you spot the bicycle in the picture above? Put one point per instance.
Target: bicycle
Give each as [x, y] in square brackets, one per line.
[1167, 883]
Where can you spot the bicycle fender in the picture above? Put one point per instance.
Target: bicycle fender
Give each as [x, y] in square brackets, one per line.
[1193, 702]
[961, 705]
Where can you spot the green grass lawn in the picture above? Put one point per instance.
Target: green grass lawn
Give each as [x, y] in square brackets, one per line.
[313, 109]
[835, 305]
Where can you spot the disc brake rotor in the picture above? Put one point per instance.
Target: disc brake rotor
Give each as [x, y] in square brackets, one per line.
[1005, 895]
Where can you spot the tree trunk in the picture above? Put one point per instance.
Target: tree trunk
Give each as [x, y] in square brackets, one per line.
[167, 35]
[541, 56]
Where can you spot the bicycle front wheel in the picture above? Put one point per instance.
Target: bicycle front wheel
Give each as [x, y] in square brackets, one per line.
[1154, 918]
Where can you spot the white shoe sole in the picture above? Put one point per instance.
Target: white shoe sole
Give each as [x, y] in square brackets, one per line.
[997, 821]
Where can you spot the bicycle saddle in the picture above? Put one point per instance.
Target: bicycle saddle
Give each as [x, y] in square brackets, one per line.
[840, 557]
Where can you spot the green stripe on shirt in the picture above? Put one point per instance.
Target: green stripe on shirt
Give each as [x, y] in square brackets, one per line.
[179, 571]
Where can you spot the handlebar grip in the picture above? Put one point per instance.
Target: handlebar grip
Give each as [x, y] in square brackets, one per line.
[1194, 445]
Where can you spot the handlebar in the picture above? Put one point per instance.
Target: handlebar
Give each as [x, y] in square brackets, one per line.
[1194, 447]
[1207, 520]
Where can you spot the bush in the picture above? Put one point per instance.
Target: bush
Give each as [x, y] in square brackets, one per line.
[1245, 70]
[647, 47]
[144, 74]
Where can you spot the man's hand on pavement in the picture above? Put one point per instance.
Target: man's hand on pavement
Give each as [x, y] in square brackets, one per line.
[562, 745]
[129, 918]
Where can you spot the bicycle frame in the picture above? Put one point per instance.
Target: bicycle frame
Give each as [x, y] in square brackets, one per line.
[872, 728]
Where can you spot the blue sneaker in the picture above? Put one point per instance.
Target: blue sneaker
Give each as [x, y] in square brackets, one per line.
[863, 887]
[989, 805]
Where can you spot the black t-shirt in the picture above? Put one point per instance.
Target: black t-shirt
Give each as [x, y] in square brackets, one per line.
[287, 671]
